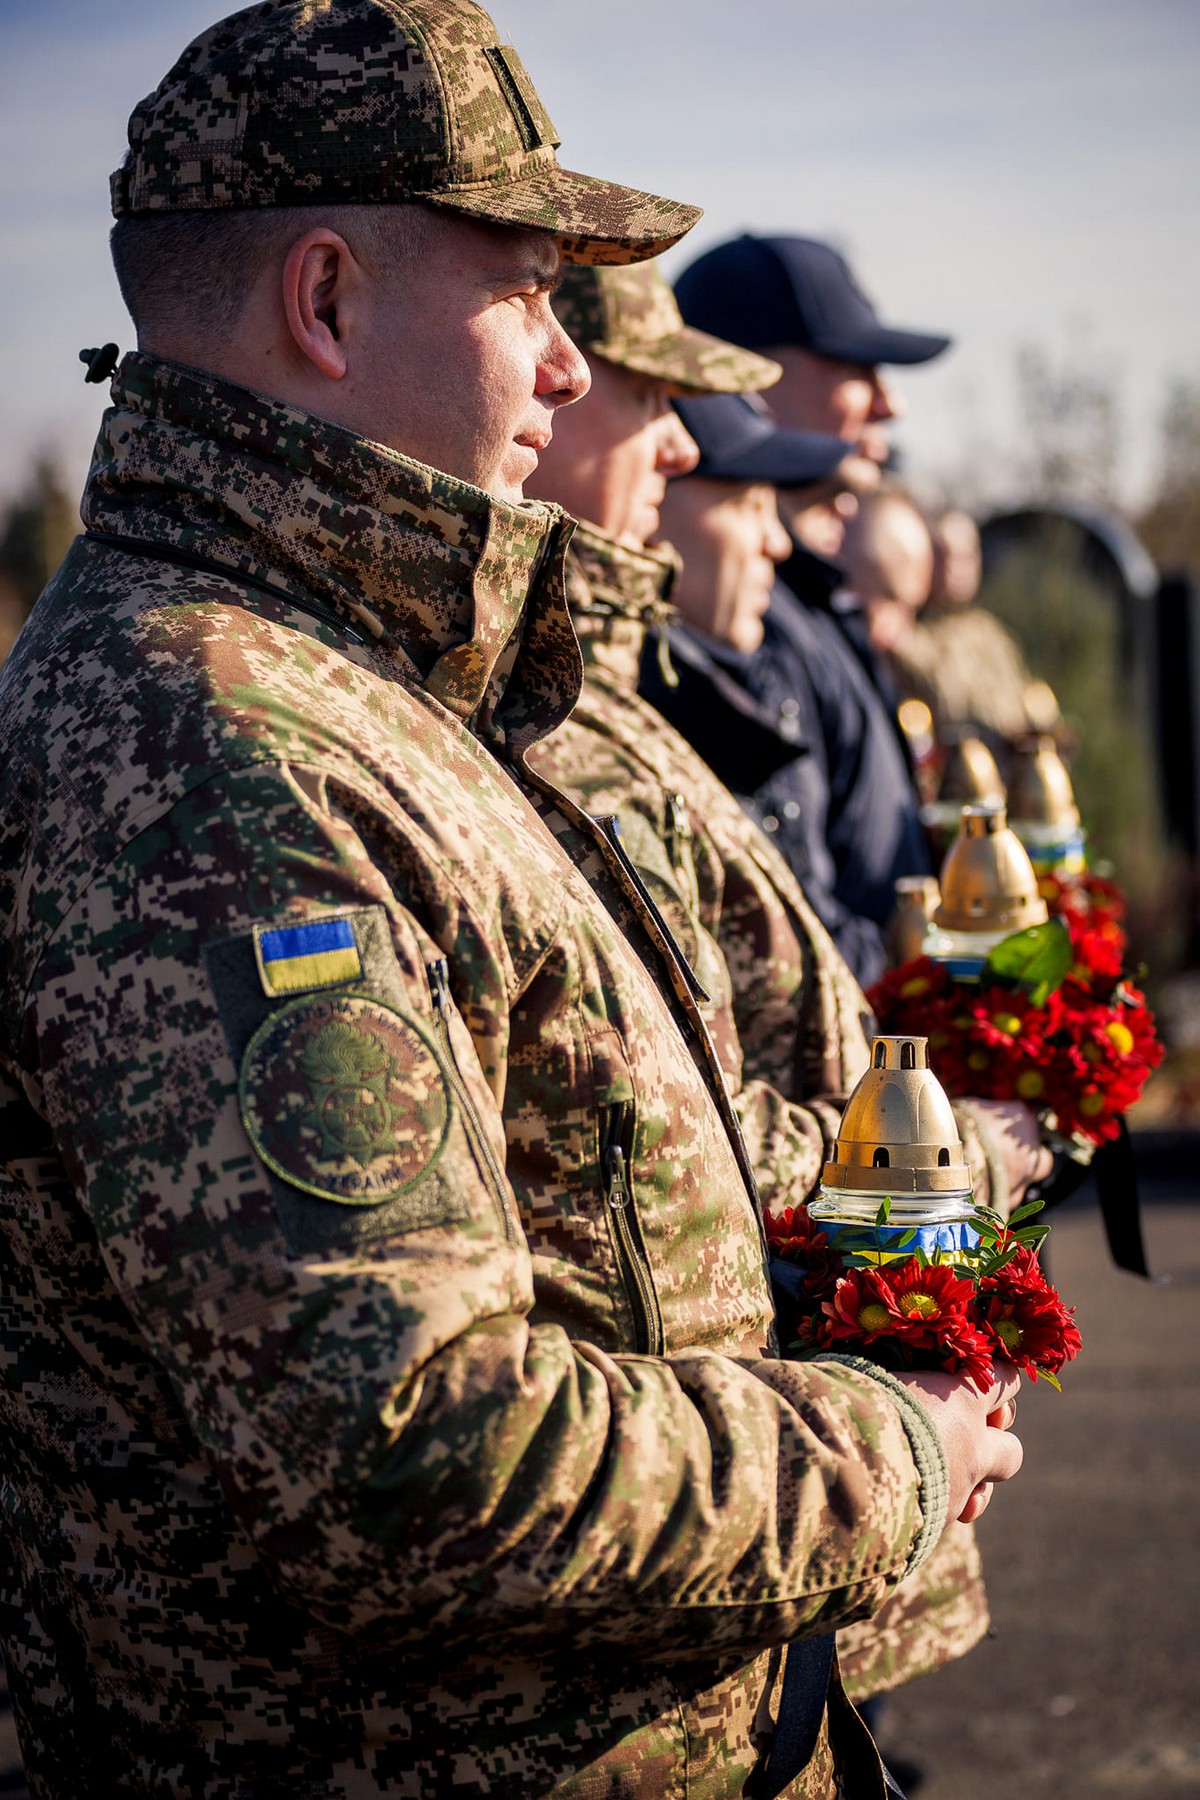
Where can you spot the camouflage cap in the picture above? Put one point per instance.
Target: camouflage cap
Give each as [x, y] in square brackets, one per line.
[629, 317]
[295, 101]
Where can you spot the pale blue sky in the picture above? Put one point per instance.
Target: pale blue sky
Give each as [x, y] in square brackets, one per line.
[1006, 170]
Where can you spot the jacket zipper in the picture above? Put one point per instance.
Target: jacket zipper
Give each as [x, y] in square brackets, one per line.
[439, 989]
[610, 828]
[616, 1127]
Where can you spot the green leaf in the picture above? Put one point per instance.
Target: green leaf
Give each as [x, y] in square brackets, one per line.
[1045, 1375]
[1037, 959]
[902, 1243]
[885, 1211]
[1026, 1212]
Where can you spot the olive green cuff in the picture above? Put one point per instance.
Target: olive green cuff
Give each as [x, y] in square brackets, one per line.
[926, 1446]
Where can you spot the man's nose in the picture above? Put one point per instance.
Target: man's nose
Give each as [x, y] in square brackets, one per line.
[678, 451]
[776, 543]
[563, 375]
[887, 402]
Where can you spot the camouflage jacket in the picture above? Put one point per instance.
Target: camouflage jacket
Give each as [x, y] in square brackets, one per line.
[783, 1008]
[389, 1396]
[968, 668]
[780, 988]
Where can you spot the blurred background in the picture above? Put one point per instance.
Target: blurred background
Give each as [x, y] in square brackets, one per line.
[1024, 177]
[1027, 178]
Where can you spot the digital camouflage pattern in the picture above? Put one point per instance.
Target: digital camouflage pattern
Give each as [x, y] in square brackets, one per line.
[936, 1616]
[295, 101]
[436, 1444]
[629, 317]
[801, 1019]
[773, 1002]
[785, 1008]
[968, 668]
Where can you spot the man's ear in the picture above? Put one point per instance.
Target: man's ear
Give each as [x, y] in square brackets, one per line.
[320, 276]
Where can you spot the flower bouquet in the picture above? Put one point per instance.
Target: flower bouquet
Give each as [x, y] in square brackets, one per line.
[1093, 911]
[894, 1259]
[917, 1312]
[1076, 1044]
[1017, 1005]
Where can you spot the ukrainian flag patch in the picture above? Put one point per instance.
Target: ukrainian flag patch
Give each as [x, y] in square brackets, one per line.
[297, 958]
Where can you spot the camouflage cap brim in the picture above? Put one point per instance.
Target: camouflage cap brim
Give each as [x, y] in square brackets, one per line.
[594, 221]
[628, 317]
[694, 362]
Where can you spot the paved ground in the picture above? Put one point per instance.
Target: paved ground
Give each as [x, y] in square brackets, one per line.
[1089, 1689]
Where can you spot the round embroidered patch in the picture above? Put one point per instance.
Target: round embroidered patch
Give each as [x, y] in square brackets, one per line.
[344, 1098]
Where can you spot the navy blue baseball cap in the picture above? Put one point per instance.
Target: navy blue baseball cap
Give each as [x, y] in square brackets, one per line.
[738, 440]
[772, 291]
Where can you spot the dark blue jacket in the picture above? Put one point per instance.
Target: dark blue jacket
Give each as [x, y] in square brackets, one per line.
[839, 801]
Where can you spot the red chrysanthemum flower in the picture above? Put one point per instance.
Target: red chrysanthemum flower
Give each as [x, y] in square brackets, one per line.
[1007, 1018]
[913, 992]
[970, 1353]
[900, 1299]
[1093, 920]
[1122, 1038]
[911, 1316]
[1039, 1339]
[1085, 900]
[1102, 1051]
[930, 1301]
[1099, 950]
[793, 1234]
[1025, 1318]
[860, 1309]
[1104, 899]
[1021, 1275]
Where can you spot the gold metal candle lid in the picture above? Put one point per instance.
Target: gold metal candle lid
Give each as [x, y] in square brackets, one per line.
[1040, 792]
[898, 1134]
[916, 898]
[970, 776]
[917, 893]
[988, 883]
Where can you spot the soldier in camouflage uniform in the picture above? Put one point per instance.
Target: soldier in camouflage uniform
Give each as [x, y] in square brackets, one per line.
[783, 1004]
[391, 1398]
[782, 1009]
[962, 660]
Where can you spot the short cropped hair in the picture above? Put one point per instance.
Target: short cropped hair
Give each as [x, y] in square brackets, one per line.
[194, 271]
[888, 529]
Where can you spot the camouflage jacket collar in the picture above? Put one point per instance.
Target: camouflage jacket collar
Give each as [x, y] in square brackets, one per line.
[617, 594]
[465, 591]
